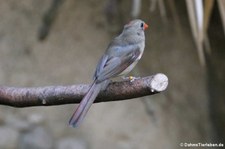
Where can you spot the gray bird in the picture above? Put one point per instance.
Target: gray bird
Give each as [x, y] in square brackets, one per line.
[120, 57]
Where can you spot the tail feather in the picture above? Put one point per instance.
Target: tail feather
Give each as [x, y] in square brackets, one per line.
[85, 105]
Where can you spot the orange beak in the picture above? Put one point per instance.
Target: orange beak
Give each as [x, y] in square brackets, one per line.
[145, 26]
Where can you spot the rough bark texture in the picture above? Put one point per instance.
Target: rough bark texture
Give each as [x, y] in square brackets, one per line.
[57, 95]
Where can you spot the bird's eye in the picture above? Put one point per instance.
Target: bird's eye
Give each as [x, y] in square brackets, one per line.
[142, 25]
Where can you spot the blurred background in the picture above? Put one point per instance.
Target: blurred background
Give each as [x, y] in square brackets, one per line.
[59, 42]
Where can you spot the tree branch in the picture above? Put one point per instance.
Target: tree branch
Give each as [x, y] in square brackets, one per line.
[57, 95]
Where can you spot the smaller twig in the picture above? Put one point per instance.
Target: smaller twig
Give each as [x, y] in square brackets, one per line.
[48, 19]
[57, 95]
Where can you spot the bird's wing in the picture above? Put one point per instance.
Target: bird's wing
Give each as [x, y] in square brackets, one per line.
[112, 65]
[100, 65]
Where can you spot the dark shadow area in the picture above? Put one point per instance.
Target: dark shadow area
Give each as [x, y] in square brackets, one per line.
[216, 75]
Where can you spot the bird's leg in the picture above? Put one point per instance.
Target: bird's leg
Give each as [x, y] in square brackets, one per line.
[130, 78]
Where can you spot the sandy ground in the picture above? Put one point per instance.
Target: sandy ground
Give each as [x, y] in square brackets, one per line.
[69, 55]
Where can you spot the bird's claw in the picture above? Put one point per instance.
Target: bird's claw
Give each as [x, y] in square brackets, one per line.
[131, 78]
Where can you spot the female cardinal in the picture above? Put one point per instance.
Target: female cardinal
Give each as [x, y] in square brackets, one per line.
[120, 57]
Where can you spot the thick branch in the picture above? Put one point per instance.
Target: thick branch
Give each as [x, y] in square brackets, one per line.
[57, 95]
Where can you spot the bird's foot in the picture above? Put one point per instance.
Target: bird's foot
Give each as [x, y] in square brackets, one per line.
[131, 78]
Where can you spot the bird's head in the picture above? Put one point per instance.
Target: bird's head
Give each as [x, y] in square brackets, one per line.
[133, 32]
[136, 25]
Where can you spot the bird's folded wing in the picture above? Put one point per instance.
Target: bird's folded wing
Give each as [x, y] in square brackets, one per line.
[100, 65]
[115, 65]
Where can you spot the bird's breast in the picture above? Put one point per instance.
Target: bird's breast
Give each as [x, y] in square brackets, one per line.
[142, 47]
[129, 68]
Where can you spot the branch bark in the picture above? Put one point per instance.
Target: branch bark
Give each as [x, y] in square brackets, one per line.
[57, 95]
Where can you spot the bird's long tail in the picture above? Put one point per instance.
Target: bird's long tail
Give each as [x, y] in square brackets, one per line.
[85, 104]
